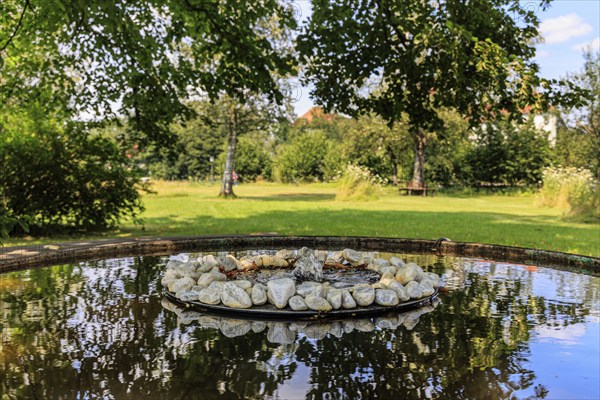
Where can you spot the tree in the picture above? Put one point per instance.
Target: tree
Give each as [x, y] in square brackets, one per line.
[141, 59]
[583, 123]
[508, 153]
[412, 57]
[257, 114]
[370, 142]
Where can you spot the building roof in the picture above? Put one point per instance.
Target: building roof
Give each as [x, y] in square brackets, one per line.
[315, 113]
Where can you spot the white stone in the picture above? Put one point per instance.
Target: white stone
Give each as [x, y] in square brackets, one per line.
[234, 296]
[317, 303]
[426, 290]
[210, 296]
[408, 273]
[307, 267]
[386, 279]
[209, 277]
[338, 256]
[188, 296]
[400, 290]
[229, 263]
[181, 285]
[273, 261]
[172, 264]
[364, 325]
[390, 269]
[280, 333]
[279, 291]
[248, 262]
[334, 297]
[170, 276]
[209, 321]
[435, 278]
[321, 256]
[207, 263]
[317, 331]
[306, 288]
[335, 329]
[396, 262]
[364, 296]
[258, 326]
[414, 290]
[259, 294]
[286, 254]
[297, 303]
[352, 256]
[385, 297]
[242, 283]
[235, 327]
[348, 301]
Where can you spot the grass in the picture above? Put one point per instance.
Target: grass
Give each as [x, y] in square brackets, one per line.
[181, 208]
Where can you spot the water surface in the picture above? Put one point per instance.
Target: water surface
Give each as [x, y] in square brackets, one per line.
[103, 330]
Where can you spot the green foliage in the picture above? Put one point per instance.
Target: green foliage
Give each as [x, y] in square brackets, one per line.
[141, 58]
[509, 154]
[55, 175]
[579, 141]
[405, 60]
[573, 189]
[358, 184]
[303, 159]
[252, 160]
[447, 151]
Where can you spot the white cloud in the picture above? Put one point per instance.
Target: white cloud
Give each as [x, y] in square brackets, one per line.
[564, 28]
[542, 54]
[584, 46]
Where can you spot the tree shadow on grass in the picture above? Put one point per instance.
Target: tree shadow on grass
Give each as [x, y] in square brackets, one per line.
[528, 231]
[311, 197]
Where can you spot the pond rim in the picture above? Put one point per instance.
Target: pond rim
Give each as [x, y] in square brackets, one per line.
[26, 257]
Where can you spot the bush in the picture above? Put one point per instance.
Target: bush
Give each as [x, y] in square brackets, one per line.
[56, 176]
[303, 159]
[508, 154]
[573, 189]
[358, 184]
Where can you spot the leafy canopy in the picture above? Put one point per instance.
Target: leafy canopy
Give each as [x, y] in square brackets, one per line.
[141, 59]
[413, 57]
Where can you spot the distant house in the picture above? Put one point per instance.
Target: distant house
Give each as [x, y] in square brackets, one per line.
[547, 123]
[316, 114]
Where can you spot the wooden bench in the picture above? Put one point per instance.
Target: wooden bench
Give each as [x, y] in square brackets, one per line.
[416, 189]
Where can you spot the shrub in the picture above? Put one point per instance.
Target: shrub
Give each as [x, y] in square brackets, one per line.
[573, 189]
[357, 183]
[56, 176]
[303, 159]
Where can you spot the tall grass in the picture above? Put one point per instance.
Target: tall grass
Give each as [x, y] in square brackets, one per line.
[358, 184]
[572, 189]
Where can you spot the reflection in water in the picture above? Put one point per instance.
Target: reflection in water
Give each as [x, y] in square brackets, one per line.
[285, 332]
[103, 330]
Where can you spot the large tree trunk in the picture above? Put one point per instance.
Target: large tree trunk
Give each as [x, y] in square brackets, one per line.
[419, 165]
[227, 183]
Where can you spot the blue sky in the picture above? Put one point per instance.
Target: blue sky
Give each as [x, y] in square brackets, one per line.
[567, 26]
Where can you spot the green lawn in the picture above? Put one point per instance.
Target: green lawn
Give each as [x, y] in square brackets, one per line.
[180, 208]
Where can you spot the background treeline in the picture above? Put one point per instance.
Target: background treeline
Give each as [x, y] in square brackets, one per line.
[498, 154]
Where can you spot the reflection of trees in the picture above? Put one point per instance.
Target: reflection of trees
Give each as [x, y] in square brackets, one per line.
[99, 330]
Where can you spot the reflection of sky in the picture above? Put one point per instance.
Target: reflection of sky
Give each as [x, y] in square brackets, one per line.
[566, 359]
[564, 362]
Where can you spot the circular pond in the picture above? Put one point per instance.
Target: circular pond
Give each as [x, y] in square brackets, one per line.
[104, 329]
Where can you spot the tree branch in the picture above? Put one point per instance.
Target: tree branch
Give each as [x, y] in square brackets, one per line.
[17, 27]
